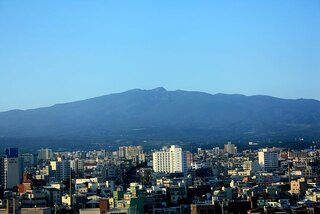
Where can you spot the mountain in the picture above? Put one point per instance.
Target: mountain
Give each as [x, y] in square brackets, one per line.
[163, 114]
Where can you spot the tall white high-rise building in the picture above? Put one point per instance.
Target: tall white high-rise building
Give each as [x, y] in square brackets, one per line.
[268, 160]
[170, 160]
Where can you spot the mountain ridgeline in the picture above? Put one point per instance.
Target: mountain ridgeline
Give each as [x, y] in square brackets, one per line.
[158, 113]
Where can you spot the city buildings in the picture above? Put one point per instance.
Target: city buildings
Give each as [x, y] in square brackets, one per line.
[130, 152]
[77, 165]
[45, 154]
[61, 169]
[12, 168]
[268, 160]
[230, 148]
[170, 160]
[171, 180]
[2, 184]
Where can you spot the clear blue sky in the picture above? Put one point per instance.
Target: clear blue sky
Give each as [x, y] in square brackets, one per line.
[59, 51]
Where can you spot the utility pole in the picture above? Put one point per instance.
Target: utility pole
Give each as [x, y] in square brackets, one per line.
[289, 173]
[13, 206]
[70, 188]
[55, 205]
[8, 206]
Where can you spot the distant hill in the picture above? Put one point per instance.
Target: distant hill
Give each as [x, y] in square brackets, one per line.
[159, 113]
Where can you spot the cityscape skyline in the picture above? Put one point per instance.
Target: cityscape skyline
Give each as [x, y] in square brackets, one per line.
[158, 107]
[131, 180]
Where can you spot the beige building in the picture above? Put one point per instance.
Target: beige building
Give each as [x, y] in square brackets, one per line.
[299, 186]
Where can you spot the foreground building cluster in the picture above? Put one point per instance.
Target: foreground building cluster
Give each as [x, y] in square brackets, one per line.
[170, 180]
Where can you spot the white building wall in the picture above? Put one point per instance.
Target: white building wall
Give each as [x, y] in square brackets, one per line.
[170, 160]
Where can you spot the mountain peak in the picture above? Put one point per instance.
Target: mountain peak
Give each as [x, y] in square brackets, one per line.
[159, 89]
[169, 115]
